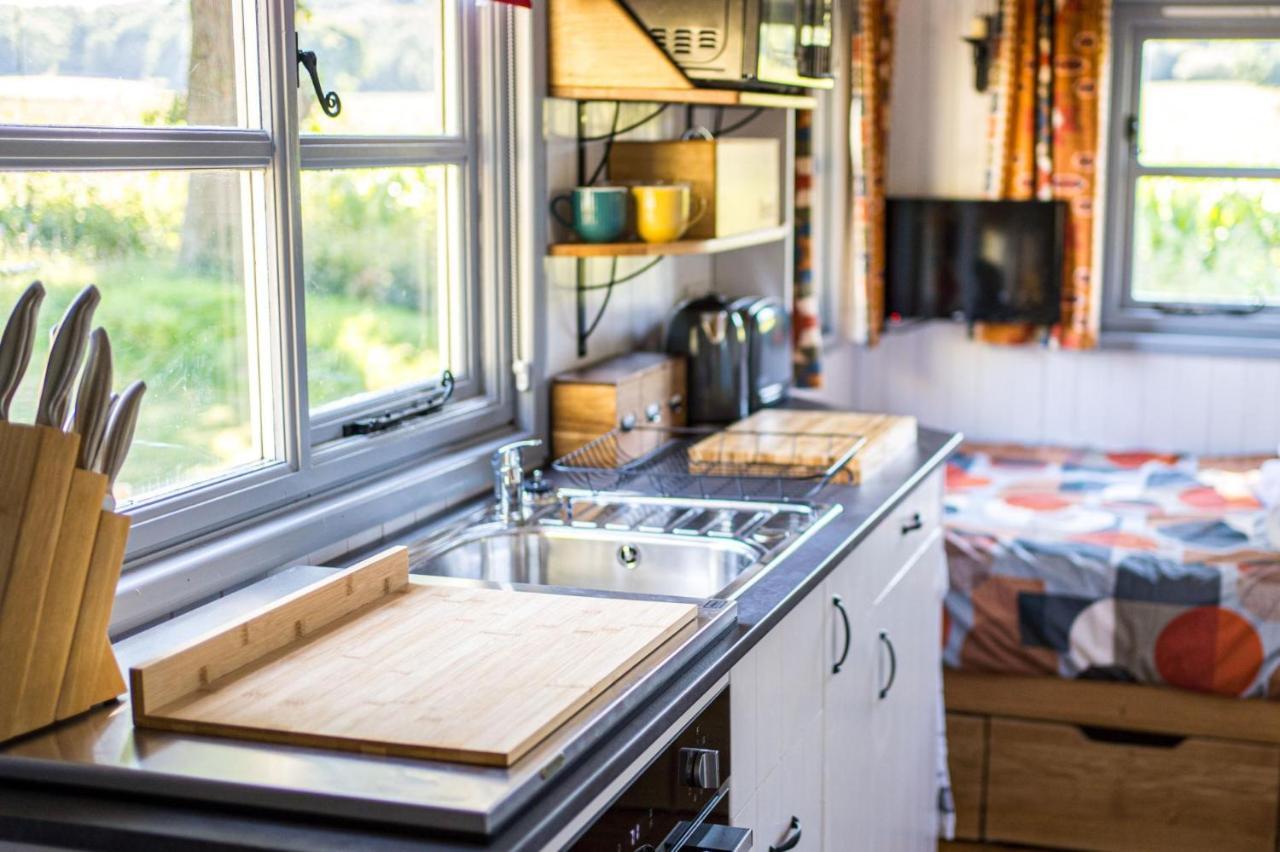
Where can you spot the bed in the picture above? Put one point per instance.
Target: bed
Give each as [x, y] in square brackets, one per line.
[1106, 614]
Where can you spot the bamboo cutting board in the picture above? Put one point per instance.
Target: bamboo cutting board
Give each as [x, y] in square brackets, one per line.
[366, 661]
[801, 440]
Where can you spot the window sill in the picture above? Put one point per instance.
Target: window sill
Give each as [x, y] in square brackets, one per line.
[1230, 346]
[332, 524]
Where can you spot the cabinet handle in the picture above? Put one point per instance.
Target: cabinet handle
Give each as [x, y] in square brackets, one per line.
[838, 603]
[914, 524]
[792, 840]
[893, 664]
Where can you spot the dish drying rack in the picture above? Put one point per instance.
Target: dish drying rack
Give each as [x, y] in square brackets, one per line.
[710, 463]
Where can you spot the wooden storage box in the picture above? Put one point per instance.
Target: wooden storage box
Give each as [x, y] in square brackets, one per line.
[643, 388]
[738, 178]
[1059, 785]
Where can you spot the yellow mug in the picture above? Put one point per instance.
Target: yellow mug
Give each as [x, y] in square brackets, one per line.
[665, 211]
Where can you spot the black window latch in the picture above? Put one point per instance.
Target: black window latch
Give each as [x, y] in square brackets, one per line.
[329, 102]
[433, 402]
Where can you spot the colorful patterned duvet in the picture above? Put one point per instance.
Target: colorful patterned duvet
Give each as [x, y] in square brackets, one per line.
[1135, 567]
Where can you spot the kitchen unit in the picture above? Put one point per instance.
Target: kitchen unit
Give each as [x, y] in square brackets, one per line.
[814, 752]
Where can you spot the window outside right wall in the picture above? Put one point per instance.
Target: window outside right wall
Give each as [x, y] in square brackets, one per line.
[1194, 240]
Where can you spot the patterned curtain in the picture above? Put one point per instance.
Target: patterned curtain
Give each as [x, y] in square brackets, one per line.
[806, 323]
[870, 74]
[1045, 137]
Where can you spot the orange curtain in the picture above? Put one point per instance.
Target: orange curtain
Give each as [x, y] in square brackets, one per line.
[1045, 139]
[870, 74]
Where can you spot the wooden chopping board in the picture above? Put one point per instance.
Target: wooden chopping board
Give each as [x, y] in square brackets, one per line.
[801, 440]
[366, 661]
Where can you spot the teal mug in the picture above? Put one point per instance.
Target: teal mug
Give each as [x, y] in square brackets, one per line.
[597, 214]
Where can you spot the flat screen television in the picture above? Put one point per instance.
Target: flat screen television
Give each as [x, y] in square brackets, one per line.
[983, 261]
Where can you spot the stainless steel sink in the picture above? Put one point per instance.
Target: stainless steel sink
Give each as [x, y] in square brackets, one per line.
[627, 544]
[635, 563]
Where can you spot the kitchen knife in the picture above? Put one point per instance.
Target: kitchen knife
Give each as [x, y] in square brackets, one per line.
[119, 437]
[93, 401]
[64, 358]
[16, 344]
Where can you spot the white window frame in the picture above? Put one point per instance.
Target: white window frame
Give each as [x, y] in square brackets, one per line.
[311, 460]
[1124, 320]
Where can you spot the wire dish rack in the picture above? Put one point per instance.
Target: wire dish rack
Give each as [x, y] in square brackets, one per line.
[710, 463]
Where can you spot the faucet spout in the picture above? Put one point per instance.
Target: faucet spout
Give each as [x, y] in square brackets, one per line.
[508, 479]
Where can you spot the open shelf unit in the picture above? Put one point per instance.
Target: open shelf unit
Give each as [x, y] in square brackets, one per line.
[599, 52]
[680, 247]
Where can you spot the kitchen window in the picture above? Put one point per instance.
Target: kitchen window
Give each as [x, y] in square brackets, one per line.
[275, 274]
[1194, 244]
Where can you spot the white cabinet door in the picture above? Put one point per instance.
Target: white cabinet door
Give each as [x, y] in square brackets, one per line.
[776, 730]
[881, 707]
[789, 804]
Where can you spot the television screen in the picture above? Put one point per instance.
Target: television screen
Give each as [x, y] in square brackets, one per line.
[985, 261]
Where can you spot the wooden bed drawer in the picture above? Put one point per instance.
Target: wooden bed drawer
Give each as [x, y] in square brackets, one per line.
[966, 759]
[1050, 784]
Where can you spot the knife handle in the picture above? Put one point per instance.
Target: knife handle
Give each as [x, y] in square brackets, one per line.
[119, 435]
[64, 358]
[17, 343]
[93, 401]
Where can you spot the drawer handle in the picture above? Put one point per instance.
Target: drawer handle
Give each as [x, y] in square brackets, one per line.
[838, 603]
[792, 840]
[916, 523]
[893, 664]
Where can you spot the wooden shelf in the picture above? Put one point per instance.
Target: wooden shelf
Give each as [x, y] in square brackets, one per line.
[704, 97]
[681, 247]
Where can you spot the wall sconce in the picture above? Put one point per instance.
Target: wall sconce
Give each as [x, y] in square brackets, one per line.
[983, 37]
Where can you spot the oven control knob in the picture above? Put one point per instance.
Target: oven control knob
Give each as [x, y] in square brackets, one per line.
[700, 768]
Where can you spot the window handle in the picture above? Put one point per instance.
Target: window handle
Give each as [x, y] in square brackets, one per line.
[330, 102]
[1131, 134]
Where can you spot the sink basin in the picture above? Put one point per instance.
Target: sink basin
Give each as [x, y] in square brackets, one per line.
[629, 562]
[626, 544]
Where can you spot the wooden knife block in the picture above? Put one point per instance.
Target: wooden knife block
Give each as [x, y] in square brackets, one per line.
[60, 559]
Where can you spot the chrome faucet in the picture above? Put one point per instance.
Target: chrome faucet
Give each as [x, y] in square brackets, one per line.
[508, 479]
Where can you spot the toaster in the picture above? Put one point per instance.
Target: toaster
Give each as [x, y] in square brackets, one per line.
[738, 355]
[768, 350]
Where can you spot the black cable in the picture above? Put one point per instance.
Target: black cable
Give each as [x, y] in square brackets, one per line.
[630, 127]
[608, 145]
[719, 121]
[630, 275]
[741, 124]
[608, 294]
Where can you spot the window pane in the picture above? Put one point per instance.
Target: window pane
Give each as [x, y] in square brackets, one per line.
[1210, 103]
[385, 59]
[1207, 240]
[121, 63]
[380, 278]
[167, 251]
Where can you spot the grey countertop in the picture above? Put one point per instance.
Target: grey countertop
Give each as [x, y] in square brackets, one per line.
[44, 800]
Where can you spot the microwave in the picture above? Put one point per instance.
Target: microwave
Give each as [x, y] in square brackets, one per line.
[745, 44]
